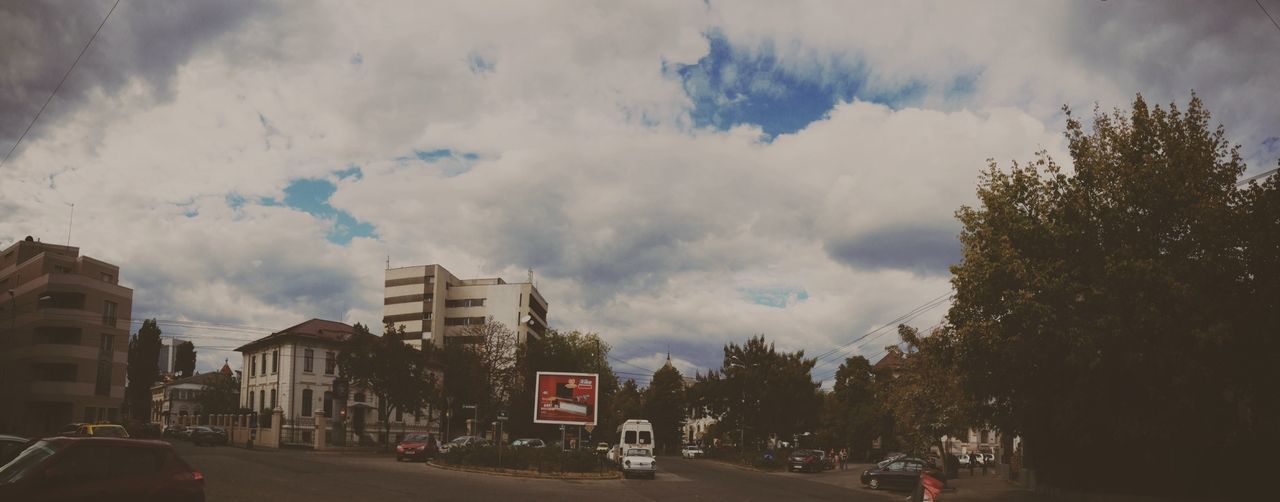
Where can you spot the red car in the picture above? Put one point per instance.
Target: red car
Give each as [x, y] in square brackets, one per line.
[97, 468]
[417, 447]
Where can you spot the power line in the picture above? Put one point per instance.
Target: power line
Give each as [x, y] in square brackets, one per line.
[929, 305]
[1264, 11]
[1257, 176]
[64, 79]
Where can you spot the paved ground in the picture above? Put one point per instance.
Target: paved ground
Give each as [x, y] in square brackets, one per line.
[236, 474]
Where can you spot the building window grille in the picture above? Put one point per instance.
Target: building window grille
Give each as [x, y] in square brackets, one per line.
[306, 402]
[330, 361]
[109, 313]
[308, 360]
[275, 361]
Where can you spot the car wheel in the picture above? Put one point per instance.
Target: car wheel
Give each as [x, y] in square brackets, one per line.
[874, 484]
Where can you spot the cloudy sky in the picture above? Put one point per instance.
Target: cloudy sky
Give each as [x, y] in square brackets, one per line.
[678, 175]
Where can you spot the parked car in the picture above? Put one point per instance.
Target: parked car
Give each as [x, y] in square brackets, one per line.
[964, 459]
[463, 442]
[602, 448]
[102, 430]
[989, 459]
[173, 431]
[99, 468]
[901, 473]
[691, 451]
[11, 446]
[639, 462]
[529, 443]
[806, 460]
[417, 447]
[201, 435]
[71, 428]
[145, 431]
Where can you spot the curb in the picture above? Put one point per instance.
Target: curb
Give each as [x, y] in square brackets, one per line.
[525, 474]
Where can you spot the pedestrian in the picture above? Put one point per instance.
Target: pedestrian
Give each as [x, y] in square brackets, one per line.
[844, 459]
[972, 459]
[982, 458]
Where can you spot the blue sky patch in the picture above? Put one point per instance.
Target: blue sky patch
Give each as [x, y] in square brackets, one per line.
[734, 85]
[450, 163]
[479, 64]
[311, 196]
[349, 172]
[235, 201]
[357, 59]
[774, 297]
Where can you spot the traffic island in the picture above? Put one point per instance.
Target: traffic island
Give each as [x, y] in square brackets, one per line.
[519, 473]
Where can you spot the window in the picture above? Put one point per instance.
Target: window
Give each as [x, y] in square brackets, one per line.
[103, 385]
[108, 278]
[469, 302]
[264, 363]
[106, 342]
[330, 361]
[262, 398]
[399, 415]
[359, 397]
[646, 437]
[275, 361]
[897, 466]
[55, 335]
[253, 367]
[251, 401]
[273, 399]
[109, 313]
[53, 372]
[306, 402]
[463, 321]
[328, 404]
[61, 269]
[308, 360]
[629, 437]
[90, 414]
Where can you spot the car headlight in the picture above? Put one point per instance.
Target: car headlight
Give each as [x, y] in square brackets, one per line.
[628, 463]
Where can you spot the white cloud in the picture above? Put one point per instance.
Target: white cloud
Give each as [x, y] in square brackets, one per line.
[638, 226]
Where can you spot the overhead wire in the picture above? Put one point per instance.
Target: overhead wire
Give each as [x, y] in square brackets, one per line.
[60, 82]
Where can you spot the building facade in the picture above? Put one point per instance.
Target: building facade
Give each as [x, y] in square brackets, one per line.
[294, 370]
[433, 305]
[64, 336]
[173, 399]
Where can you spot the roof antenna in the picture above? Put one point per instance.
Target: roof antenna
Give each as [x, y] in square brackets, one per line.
[531, 275]
[70, 220]
[388, 261]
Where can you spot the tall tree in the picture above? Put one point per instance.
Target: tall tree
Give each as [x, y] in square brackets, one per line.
[1127, 305]
[664, 405]
[184, 361]
[494, 345]
[853, 412]
[572, 352]
[221, 394]
[628, 403]
[924, 398]
[768, 393]
[395, 373]
[144, 369]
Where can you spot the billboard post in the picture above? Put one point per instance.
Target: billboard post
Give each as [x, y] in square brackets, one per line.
[566, 398]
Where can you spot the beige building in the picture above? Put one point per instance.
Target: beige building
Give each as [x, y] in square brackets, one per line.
[434, 305]
[173, 399]
[294, 369]
[64, 337]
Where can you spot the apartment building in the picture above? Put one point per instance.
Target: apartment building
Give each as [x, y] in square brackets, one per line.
[64, 337]
[434, 305]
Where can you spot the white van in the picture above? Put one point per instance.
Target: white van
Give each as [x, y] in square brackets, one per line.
[634, 434]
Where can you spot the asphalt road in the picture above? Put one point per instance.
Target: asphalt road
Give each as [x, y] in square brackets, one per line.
[235, 474]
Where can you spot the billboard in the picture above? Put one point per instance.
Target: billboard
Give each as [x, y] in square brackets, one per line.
[566, 398]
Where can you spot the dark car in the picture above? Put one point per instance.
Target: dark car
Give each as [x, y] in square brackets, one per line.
[11, 446]
[97, 468]
[174, 431]
[71, 428]
[901, 473]
[417, 447]
[806, 460]
[145, 431]
[207, 435]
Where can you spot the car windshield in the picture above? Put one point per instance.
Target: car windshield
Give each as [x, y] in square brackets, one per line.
[416, 437]
[18, 468]
[111, 432]
[637, 452]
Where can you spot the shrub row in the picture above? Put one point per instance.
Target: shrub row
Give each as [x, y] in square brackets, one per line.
[531, 459]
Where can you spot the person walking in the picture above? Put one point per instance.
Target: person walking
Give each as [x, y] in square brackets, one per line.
[844, 459]
[973, 458]
[982, 458]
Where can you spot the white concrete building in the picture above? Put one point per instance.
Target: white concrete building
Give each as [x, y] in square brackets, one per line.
[433, 305]
[181, 397]
[294, 370]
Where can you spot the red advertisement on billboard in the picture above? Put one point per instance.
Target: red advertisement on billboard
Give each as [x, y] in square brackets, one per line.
[566, 398]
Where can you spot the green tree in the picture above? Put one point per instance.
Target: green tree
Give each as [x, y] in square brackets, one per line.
[924, 399]
[221, 394]
[571, 352]
[628, 403]
[768, 393]
[853, 411]
[184, 360]
[1125, 305]
[664, 407]
[143, 370]
[395, 373]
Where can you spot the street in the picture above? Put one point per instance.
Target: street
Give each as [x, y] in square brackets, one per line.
[235, 474]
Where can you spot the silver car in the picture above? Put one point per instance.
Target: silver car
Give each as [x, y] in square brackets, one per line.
[639, 462]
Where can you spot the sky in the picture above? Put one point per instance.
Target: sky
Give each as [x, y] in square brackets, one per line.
[678, 175]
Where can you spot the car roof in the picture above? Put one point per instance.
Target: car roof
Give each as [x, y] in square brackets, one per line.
[6, 437]
[106, 440]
